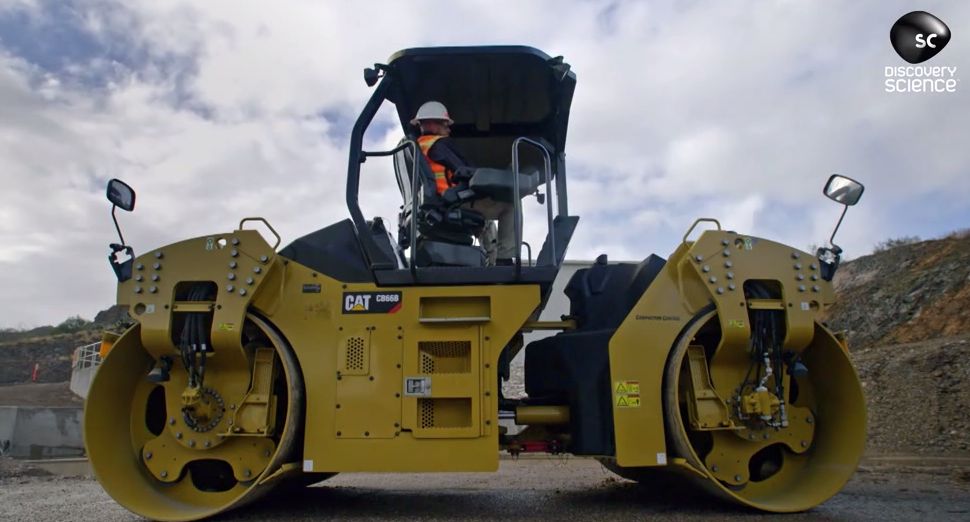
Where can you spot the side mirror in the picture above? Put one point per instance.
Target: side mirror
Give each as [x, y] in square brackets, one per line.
[121, 195]
[843, 190]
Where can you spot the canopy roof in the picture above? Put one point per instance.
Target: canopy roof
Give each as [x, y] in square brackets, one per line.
[498, 92]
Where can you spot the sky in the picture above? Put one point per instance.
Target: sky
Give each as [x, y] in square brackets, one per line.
[218, 110]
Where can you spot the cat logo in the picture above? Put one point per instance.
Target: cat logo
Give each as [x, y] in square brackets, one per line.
[371, 302]
[357, 303]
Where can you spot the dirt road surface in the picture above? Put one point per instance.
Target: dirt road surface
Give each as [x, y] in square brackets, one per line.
[534, 489]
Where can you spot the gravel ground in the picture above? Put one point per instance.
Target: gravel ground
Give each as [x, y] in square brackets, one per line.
[530, 488]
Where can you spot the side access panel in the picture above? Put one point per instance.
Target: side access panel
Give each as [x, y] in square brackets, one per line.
[398, 379]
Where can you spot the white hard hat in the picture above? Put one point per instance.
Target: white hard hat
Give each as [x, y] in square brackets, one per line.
[432, 110]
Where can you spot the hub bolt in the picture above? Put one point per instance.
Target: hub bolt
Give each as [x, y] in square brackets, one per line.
[164, 474]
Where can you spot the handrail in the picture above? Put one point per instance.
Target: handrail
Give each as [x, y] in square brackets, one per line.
[380, 153]
[528, 249]
[697, 222]
[414, 189]
[270, 227]
[547, 162]
[87, 356]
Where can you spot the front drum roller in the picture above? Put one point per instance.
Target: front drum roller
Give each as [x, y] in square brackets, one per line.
[122, 417]
[779, 470]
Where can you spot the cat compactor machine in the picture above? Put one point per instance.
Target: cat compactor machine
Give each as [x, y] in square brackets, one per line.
[252, 367]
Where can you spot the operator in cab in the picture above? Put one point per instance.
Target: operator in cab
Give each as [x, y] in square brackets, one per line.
[445, 160]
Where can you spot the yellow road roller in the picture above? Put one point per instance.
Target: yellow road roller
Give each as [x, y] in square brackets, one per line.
[251, 367]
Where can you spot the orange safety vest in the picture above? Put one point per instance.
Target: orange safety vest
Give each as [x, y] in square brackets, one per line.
[442, 177]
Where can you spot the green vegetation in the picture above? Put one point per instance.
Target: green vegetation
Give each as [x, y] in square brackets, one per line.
[890, 244]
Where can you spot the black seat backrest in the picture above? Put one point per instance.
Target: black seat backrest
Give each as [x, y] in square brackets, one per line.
[404, 166]
[444, 240]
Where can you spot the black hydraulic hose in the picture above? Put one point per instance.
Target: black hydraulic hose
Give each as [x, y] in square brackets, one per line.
[779, 362]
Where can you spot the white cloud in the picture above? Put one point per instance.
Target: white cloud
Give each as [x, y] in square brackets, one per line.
[215, 110]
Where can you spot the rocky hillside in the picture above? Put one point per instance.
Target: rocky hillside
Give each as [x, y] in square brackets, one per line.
[51, 347]
[906, 311]
[910, 293]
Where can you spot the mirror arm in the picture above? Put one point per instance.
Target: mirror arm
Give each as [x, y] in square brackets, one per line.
[837, 225]
[118, 228]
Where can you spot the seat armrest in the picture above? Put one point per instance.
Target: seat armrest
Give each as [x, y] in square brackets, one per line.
[498, 184]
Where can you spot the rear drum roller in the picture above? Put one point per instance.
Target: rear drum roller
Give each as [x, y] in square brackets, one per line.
[127, 416]
[772, 468]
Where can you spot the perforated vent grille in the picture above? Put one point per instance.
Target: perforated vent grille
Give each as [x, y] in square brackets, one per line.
[445, 357]
[355, 353]
[444, 413]
[426, 412]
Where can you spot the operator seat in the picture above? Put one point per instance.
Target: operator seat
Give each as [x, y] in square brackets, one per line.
[441, 219]
[444, 231]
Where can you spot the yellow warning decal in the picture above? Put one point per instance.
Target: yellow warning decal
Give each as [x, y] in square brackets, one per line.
[226, 327]
[628, 401]
[627, 388]
[627, 394]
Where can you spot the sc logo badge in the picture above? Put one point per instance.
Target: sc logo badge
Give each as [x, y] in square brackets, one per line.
[919, 36]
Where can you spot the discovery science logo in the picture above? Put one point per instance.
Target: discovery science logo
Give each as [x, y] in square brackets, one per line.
[917, 37]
